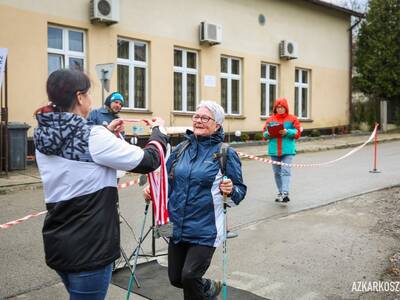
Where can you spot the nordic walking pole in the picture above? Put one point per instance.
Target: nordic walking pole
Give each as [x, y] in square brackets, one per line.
[146, 209]
[224, 250]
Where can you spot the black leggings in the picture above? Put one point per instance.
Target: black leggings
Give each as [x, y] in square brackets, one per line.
[187, 263]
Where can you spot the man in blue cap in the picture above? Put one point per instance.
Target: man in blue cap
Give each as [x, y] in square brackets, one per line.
[112, 106]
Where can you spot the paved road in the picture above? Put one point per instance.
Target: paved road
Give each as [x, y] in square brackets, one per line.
[316, 186]
[21, 260]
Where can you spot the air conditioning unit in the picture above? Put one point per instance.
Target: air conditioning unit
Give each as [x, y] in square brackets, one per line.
[288, 50]
[104, 11]
[210, 33]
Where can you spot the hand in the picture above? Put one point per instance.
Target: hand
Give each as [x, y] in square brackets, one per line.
[116, 125]
[283, 132]
[226, 186]
[157, 122]
[146, 193]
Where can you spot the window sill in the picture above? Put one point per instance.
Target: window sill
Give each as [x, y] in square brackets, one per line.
[235, 117]
[183, 113]
[138, 111]
[300, 120]
[306, 120]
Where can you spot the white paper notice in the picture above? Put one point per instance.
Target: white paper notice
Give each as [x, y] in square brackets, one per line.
[3, 57]
[210, 81]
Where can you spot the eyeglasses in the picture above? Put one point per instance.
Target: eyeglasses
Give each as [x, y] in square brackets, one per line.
[203, 118]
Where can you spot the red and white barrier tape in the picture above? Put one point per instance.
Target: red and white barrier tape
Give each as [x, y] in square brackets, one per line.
[120, 186]
[19, 221]
[270, 161]
[147, 122]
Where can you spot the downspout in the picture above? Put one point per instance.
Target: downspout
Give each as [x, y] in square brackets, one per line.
[351, 69]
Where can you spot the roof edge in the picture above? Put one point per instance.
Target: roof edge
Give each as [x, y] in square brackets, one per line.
[336, 7]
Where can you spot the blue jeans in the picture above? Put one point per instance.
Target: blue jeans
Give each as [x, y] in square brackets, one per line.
[88, 285]
[282, 174]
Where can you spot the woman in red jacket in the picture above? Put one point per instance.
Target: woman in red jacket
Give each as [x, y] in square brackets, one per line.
[282, 129]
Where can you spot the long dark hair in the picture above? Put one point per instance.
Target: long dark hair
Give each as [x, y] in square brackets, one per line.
[62, 86]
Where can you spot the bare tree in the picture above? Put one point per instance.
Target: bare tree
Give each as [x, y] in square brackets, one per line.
[357, 5]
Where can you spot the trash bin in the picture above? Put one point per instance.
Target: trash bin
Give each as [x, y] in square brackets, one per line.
[17, 145]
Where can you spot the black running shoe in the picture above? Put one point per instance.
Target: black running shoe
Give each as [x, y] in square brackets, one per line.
[285, 197]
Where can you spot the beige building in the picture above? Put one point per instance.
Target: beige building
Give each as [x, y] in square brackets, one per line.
[162, 69]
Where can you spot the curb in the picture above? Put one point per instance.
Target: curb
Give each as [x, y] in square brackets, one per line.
[326, 148]
[7, 189]
[300, 140]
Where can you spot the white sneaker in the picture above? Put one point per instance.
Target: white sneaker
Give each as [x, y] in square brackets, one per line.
[279, 197]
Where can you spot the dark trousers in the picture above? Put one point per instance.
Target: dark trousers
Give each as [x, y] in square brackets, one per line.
[187, 263]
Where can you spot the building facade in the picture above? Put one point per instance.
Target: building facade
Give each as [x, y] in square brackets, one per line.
[163, 70]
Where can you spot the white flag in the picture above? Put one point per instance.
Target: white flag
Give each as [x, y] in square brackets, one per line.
[3, 57]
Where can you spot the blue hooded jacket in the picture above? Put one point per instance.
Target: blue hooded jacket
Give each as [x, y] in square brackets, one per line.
[195, 203]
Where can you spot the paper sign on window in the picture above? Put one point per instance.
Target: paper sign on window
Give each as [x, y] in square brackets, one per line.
[210, 81]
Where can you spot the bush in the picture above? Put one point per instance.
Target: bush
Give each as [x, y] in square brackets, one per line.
[258, 136]
[365, 112]
[397, 120]
[244, 137]
[315, 133]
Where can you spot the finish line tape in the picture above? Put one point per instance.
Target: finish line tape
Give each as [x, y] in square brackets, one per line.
[270, 161]
[19, 221]
[119, 186]
[253, 157]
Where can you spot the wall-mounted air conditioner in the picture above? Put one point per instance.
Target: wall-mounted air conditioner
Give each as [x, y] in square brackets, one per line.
[210, 33]
[104, 11]
[288, 50]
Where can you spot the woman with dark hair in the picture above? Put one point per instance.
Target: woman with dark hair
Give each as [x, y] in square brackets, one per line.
[78, 164]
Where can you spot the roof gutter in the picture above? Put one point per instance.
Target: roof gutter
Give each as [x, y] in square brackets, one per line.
[336, 7]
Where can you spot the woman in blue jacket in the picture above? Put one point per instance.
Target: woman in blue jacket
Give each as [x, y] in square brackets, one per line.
[195, 203]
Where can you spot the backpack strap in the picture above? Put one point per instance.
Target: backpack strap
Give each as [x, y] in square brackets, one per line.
[222, 157]
[179, 152]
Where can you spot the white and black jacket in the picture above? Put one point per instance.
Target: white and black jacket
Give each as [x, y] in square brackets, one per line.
[78, 163]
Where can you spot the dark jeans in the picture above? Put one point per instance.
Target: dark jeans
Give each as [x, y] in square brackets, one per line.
[88, 285]
[187, 263]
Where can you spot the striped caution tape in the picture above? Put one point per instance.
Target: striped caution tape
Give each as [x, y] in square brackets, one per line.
[253, 157]
[19, 221]
[120, 186]
[124, 185]
[270, 161]
[147, 122]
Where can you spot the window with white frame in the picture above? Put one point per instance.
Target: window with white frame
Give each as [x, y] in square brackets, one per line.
[302, 93]
[185, 80]
[65, 48]
[132, 70]
[269, 88]
[230, 85]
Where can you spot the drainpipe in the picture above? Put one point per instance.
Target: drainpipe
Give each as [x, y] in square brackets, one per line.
[351, 68]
